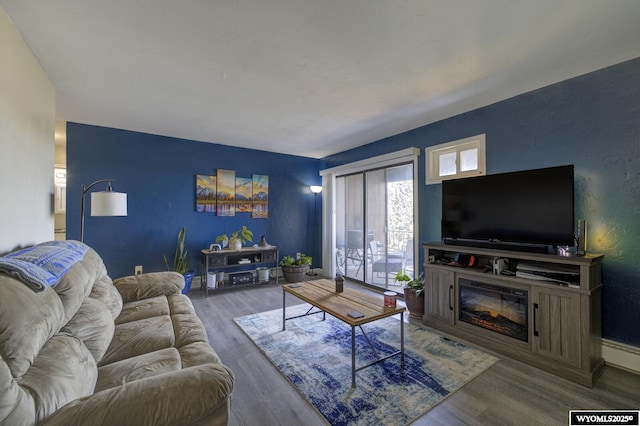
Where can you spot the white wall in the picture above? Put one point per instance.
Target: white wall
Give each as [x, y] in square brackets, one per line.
[27, 120]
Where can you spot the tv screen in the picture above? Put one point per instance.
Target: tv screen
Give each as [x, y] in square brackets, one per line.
[532, 207]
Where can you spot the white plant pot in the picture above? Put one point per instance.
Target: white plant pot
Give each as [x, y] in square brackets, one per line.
[236, 245]
[211, 280]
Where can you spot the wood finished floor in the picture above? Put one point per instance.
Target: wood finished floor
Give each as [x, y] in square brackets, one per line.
[509, 393]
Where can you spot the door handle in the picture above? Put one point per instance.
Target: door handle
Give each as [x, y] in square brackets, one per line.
[450, 298]
[535, 326]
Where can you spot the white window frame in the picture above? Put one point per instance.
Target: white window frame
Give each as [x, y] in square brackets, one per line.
[433, 154]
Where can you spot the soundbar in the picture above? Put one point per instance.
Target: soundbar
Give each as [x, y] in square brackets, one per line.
[500, 245]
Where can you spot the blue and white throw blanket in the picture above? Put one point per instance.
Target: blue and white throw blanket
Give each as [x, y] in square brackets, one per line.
[42, 265]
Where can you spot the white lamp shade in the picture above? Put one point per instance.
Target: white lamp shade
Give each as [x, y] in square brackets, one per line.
[315, 189]
[108, 203]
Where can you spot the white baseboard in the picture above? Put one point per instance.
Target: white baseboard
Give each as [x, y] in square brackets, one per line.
[621, 355]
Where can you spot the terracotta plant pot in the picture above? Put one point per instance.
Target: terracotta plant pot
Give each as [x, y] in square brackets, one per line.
[415, 303]
[294, 274]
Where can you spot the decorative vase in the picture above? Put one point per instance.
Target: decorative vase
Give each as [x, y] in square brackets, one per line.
[263, 242]
[236, 245]
[415, 303]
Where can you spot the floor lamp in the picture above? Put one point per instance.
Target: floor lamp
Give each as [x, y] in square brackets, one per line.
[316, 190]
[104, 203]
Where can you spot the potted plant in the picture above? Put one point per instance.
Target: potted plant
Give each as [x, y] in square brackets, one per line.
[294, 270]
[243, 235]
[413, 293]
[181, 262]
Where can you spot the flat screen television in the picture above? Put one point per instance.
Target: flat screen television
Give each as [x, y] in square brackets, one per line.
[529, 210]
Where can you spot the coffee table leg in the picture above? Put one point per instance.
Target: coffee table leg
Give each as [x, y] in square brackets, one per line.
[353, 356]
[284, 316]
[402, 339]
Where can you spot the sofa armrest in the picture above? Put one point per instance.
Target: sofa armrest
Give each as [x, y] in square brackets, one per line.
[153, 284]
[177, 398]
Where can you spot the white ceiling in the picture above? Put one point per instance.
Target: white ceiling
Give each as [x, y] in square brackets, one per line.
[310, 77]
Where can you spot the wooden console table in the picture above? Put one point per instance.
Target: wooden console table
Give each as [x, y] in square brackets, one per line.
[224, 260]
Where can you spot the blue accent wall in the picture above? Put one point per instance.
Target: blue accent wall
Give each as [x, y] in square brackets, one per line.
[591, 121]
[158, 175]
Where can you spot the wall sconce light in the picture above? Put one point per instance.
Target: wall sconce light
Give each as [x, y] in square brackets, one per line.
[104, 203]
[316, 189]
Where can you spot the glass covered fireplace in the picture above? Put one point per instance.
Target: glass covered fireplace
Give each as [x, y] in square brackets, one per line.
[499, 309]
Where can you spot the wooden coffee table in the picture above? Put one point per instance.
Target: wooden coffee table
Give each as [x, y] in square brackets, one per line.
[352, 307]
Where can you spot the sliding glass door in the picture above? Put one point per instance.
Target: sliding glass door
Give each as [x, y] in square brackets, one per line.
[375, 225]
[349, 226]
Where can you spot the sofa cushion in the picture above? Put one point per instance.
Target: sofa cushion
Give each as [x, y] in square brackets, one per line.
[180, 304]
[141, 309]
[197, 353]
[188, 396]
[104, 291]
[138, 367]
[188, 329]
[73, 288]
[63, 371]
[27, 320]
[153, 284]
[139, 337]
[94, 326]
[78, 282]
[16, 404]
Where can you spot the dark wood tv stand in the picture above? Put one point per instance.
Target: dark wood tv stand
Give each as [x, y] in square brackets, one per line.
[564, 322]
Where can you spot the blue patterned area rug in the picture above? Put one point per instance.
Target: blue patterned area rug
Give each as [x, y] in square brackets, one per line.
[315, 356]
